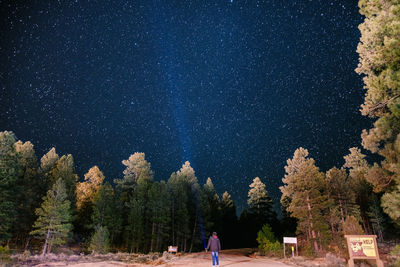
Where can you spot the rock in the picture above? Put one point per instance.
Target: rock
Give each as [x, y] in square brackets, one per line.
[332, 260]
[166, 256]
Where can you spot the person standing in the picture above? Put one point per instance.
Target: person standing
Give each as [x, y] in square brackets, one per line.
[215, 246]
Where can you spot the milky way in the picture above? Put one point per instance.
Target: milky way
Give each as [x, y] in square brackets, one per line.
[233, 86]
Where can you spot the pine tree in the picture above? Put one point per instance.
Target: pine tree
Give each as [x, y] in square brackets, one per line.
[48, 161]
[184, 194]
[229, 221]
[30, 191]
[340, 191]
[379, 62]
[304, 189]
[260, 210]
[85, 192]
[377, 218]
[54, 218]
[260, 204]
[159, 210]
[10, 170]
[106, 211]
[65, 169]
[210, 207]
[132, 191]
[100, 241]
[358, 168]
[137, 168]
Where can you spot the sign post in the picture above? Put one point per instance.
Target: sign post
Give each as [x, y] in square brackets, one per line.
[363, 247]
[290, 240]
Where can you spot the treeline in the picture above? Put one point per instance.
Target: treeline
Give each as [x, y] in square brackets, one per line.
[43, 204]
[358, 197]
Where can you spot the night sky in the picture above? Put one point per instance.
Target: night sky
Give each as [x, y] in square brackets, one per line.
[232, 86]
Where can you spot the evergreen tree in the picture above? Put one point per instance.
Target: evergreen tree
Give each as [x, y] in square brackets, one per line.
[65, 169]
[54, 218]
[10, 170]
[304, 189]
[85, 192]
[132, 191]
[137, 168]
[229, 221]
[358, 168]
[379, 62]
[100, 241]
[260, 204]
[210, 207]
[260, 210]
[159, 208]
[49, 160]
[184, 194]
[340, 191]
[106, 211]
[30, 191]
[377, 218]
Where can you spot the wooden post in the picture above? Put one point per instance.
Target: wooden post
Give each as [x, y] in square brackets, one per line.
[284, 252]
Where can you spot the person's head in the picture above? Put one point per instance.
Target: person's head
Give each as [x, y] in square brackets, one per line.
[214, 234]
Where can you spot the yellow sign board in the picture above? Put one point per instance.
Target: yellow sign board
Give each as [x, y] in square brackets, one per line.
[362, 247]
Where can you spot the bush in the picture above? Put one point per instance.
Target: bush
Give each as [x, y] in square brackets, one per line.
[351, 226]
[395, 253]
[308, 251]
[268, 244]
[5, 253]
[24, 256]
[100, 241]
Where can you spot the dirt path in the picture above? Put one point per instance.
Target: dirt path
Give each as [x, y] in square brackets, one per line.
[228, 258]
[233, 258]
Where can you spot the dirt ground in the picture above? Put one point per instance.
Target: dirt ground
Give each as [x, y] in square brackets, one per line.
[227, 258]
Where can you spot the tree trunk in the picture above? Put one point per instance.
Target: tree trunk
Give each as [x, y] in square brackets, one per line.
[28, 242]
[194, 231]
[158, 237]
[173, 224]
[341, 207]
[46, 243]
[313, 235]
[152, 236]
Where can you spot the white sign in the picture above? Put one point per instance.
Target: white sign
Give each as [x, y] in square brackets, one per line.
[172, 249]
[290, 240]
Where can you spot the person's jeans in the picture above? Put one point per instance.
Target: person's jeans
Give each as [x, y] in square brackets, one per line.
[214, 257]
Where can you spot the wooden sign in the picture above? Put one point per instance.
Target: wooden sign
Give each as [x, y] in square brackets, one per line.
[363, 247]
[172, 249]
[290, 240]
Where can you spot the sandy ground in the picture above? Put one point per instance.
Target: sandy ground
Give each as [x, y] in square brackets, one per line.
[228, 258]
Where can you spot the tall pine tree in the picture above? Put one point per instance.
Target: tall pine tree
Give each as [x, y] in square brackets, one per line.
[10, 170]
[54, 218]
[379, 62]
[304, 190]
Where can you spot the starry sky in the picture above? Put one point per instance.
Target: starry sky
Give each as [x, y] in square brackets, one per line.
[232, 86]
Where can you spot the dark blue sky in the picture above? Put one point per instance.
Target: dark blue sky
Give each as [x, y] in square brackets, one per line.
[233, 87]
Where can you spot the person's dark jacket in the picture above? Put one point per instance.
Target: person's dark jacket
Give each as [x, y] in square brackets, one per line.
[213, 244]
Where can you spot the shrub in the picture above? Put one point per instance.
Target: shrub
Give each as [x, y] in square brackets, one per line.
[24, 256]
[395, 253]
[100, 241]
[268, 244]
[5, 253]
[351, 226]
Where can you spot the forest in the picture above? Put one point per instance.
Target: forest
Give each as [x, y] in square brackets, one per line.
[43, 202]
[45, 205]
